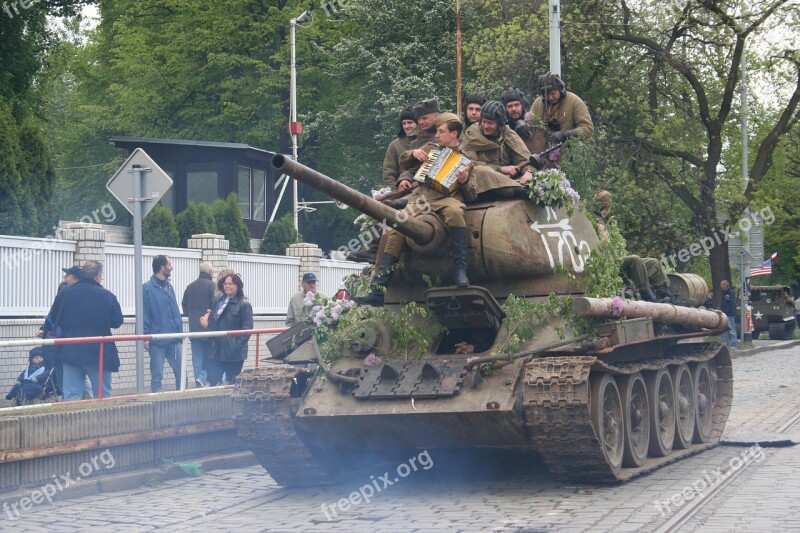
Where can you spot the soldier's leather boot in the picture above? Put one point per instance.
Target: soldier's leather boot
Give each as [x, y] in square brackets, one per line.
[458, 238]
[375, 296]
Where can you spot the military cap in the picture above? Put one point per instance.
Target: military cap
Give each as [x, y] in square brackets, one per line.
[445, 117]
[512, 94]
[407, 114]
[426, 106]
[475, 98]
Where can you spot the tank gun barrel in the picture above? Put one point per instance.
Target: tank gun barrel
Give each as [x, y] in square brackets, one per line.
[666, 313]
[421, 232]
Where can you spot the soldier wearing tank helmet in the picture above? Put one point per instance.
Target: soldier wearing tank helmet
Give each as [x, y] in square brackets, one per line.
[391, 161]
[563, 112]
[472, 108]
[498, 154]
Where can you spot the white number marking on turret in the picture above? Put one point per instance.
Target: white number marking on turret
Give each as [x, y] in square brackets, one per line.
[566, 239]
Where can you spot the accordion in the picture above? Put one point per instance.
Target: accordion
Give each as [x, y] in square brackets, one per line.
[439, 171]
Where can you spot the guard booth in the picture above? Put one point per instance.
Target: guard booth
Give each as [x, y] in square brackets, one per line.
[204, 171]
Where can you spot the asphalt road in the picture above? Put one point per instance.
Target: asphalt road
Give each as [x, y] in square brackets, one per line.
[728, 488]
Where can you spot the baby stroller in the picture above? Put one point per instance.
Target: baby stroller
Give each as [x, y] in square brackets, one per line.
[35, 384]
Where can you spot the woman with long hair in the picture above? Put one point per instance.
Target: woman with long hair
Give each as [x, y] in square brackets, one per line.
[232, 311]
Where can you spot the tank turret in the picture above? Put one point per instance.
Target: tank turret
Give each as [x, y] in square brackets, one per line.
[515, 247]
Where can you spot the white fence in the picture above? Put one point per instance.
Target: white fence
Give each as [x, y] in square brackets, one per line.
[30, 271]
[269, 280]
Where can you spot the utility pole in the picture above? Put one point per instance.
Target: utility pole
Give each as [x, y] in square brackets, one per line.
[555, 36]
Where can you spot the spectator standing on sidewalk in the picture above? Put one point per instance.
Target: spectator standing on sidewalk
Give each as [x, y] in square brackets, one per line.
[728, 306]
[294, 314]
[161, 315]
[86, 309]
[198, 299]
[231, 312]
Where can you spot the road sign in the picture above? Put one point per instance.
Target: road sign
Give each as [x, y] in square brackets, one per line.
[155, 182]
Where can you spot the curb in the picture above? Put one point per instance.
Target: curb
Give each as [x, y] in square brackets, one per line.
[760, 349]
[118, 482]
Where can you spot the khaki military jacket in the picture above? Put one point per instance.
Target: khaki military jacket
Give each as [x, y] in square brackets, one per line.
[391, 161]
[488, 155]
[418, 139]
[570, 112]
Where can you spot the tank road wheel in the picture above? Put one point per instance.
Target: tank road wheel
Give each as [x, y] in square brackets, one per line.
[685, 406]
[636, 410]
[662, 412]
[607, 419]
[705, 394]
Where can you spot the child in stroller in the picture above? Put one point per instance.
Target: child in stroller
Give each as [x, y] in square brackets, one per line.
[35, 383]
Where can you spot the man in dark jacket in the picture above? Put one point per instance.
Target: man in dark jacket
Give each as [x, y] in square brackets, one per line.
[161, 315]
[86, 309]
[198, 299]
[728, 306]
[391, 161]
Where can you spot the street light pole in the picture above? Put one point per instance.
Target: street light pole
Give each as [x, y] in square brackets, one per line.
[293, 126]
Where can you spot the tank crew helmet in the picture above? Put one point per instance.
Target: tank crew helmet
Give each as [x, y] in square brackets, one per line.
[475, 98]
[512, 94]
[494, 110]
[425, 107]
[406, 114]
[550, 81]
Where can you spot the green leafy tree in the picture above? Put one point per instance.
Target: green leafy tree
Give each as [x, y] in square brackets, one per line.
[159, 229]
[195, 219]
[279, 235]
[229, 223]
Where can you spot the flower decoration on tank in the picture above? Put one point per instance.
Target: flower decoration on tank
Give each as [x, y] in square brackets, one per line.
[322, 310]
[551, 187]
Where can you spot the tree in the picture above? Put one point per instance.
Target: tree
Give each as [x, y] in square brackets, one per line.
[279, 235]
[195, 219]
[228, 220]
[672, 93]
[159, 229]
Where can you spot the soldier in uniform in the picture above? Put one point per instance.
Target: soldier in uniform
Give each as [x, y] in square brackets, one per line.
[450, 207]
[498, 154]
[642, 273]
[391, 161]
[516, 107]
[425, 112]
[563, 112]
[472, 111]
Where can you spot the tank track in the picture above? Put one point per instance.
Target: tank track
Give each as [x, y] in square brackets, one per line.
[556, 400]
[263, 412]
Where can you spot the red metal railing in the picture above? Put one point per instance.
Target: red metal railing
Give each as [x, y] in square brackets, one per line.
[128, 338]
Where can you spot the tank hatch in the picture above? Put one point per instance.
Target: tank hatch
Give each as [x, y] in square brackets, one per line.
[471, 317]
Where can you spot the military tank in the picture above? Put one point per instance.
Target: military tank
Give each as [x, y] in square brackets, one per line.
[606, 407]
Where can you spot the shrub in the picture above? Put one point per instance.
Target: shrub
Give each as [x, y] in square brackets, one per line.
[159, 229]
[279, 235]
[229, 223]
[193, 220]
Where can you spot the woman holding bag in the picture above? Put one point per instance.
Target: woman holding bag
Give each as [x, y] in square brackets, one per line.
[231, 311]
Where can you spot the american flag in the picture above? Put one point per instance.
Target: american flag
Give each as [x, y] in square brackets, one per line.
[764, 270]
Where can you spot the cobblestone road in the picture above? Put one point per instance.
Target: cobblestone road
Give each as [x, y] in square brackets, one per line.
[484, 496]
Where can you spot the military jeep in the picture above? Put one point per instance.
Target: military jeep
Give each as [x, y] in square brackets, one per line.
[773, 311]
